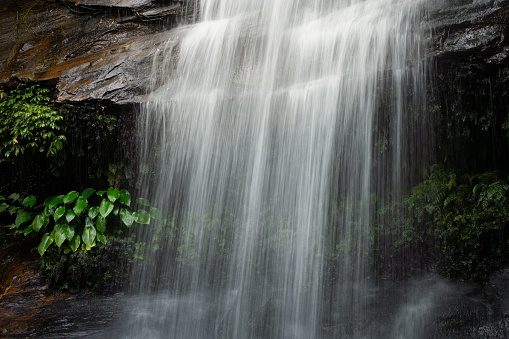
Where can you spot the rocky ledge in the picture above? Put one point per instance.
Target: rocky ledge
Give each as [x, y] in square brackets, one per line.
[469, 28]
[91, 49]
[103, 49]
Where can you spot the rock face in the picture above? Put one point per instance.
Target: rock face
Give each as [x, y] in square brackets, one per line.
[464, 28]
[91, 49]
[468, 89]
[103, 49]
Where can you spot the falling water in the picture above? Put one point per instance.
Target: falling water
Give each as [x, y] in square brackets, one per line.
[261, 143]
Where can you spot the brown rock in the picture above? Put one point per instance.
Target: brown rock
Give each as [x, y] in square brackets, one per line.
[91, 50]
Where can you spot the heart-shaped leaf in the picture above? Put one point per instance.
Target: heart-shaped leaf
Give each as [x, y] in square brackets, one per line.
[88, 235]
[39, 221]
[127, 217]
[80, 206]
[113, 194]
[142, 217]
[12, 210]
[105, 207]
[28, 230]
[70, 197]
[55, 201]
[93, 212]
[46, 241]
[58, 213]
[59, 235]
[70, 215]
[14, 196]
[100, 224]
[88, 192]
[3, 207]
[69, 232]
[22, 217]
[101, 238]
[75, 243]
[125, 197]
[29, 201]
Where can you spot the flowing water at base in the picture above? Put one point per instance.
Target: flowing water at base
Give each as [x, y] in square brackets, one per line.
[262, 143]
[425, 308]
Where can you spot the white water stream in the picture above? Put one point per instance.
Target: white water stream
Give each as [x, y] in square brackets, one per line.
[261, 145]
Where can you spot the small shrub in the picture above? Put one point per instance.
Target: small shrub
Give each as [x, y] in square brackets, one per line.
[29, 122]
[466, 220]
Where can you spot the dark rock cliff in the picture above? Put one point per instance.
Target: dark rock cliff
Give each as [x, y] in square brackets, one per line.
[469, 85]
[464, 28]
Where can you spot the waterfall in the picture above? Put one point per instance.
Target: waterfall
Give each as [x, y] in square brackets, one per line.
[261, 143]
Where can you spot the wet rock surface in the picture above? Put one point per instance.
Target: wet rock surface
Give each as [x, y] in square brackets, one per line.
[27, 310]
[425, 308]
[21, 300]
[92, 50]
[466, 28]
[21, 286]
[103, 49]
[429, 307]
[473, 311]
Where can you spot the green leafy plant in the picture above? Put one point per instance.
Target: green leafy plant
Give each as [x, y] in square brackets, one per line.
[104, 269]
[76, 220]
[452, 223]
[28, 122]
[464, 219]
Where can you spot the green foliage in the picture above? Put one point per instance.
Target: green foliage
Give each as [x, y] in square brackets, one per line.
[76, 221]
[466, 220]
[102, 270]
[29, 122]
[83, 144]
